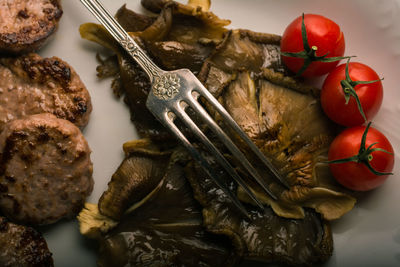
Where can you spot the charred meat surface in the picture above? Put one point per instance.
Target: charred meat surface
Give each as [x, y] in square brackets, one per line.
[22, 246]
[26, 25]
[45, 169]
[30, 84]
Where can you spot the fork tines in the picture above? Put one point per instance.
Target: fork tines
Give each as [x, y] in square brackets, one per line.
[172, 93]
[188, 98]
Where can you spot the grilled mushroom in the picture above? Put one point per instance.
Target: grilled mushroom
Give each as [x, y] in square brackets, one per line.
[133, 180]
[243, 70]
[180, 36]
[162, 228]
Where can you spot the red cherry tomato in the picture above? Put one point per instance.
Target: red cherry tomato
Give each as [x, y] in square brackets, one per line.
[333, 96]
[322, 33]
[356, 175]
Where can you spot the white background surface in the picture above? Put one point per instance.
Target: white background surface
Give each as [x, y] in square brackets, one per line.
[367, 236]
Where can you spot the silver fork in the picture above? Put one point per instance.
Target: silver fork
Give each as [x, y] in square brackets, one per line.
[171, 93]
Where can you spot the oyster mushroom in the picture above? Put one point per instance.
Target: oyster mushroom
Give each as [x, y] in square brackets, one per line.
[266, 237]
[163, 228]
[283, 117]
[243, 70]
[133, 180]
[180, 36]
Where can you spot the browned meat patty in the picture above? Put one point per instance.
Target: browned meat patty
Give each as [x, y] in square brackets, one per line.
[25, 25]
[22, 246]
[45, 169]
[31, 84]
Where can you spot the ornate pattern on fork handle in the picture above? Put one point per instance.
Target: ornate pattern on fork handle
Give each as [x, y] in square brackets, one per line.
[165, 85]
[168, 90]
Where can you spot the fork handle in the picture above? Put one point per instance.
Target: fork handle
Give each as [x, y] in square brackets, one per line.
[123, 38]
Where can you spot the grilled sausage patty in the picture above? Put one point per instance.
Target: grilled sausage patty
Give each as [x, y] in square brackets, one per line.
[22, 246]
[45, 169]
[25, 25]
[31, 84]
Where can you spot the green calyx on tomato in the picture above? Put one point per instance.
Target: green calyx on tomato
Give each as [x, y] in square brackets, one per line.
[348, 89]
[309, 53]
[364, 155]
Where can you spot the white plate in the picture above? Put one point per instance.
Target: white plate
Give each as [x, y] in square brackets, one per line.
[367, 236]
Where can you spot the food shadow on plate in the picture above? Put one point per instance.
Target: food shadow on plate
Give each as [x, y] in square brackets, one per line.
[66, 229]
[396, 239]
[366, 204]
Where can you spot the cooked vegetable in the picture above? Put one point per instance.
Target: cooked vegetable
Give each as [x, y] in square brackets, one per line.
[162, 228]
[180, 37]
[287, 124]
[92, 223]
[282, 116]
[351, 94]
[265, 237]
[128, 185]
[166, 225]
[312, 45]
[361, 158]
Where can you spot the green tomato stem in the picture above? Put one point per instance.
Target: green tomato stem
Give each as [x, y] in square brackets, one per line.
[348, 89]
[309, 53]
[364, 155]
[349, 92]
